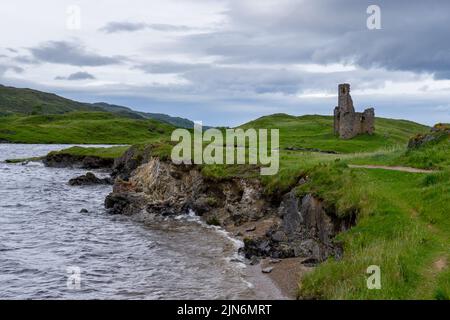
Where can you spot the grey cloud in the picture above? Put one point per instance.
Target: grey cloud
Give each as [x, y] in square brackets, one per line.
[4, 68]
[168, 27]
[244, 81]
[71, 53]
[77, 76]
[17, 69]
[413, 35]
[26, 60]
[442, 75]
[115, 27]
[170, 67]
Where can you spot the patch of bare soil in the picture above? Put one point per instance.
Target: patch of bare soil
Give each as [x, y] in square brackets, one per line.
[440, 264]
[286, 274]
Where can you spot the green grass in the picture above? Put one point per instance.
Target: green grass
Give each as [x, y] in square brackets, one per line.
[29, 102]
[82, 128]
[106, 153]
[435, 155]
[403, 222]
[402, 226]
[402, 218]
[313, 131]
[21, 160]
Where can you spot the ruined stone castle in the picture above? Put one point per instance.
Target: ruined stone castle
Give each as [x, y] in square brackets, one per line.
[347, 122]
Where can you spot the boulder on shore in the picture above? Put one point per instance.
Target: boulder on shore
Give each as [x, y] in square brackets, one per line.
[89, 179]
[65, 160]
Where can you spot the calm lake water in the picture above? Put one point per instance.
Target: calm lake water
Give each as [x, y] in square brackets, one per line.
[43, 233]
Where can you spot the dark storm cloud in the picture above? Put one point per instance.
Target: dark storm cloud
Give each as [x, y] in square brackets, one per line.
[71, 53]
[77, 76]
[115, 27]
[227, 80]
[413, 35]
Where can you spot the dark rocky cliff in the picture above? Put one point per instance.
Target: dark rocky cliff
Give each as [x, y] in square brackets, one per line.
[278, 227]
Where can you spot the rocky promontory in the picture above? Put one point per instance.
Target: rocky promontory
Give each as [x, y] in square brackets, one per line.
[67, 160]
[290, 225]
[89, 179]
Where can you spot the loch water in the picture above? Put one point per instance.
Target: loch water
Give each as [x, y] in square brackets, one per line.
[45, 241]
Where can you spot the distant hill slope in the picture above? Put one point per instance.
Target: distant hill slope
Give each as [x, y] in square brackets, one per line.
[34, 102]
[316, 132]
[176, 121]
[83, 128]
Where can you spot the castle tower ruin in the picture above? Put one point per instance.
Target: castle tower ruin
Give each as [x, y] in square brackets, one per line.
[347, 122]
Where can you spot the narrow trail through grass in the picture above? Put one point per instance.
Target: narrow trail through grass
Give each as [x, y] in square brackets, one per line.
[393, 168]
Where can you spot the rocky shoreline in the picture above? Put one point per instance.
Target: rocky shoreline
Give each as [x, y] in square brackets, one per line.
[283, 226]
[66, 160]
[291, 227]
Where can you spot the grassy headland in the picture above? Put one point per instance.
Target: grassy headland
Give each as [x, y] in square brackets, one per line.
[82, 128]
[106, 153]
[402, 218]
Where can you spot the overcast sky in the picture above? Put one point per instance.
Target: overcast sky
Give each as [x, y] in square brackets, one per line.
[226, 62]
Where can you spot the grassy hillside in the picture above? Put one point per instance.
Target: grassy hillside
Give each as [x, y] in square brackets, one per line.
[18, 101]
[403, 226]
[314, 131]
[403, 222]
[106, 153]
[82, 127]
[33, 102]
[175, 121]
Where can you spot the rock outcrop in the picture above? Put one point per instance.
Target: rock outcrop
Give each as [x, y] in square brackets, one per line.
[438, 132]
[290, 226]
[347, 122]
[129, 161]
[89, 179]
[306, 230]
[65, 160]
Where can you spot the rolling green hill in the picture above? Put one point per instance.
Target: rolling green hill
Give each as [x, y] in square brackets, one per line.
[83, 128]
[33, 102]
[175, 121]
[402, 218]
[316, 132]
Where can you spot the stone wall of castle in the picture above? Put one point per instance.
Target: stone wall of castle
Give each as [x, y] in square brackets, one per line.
[347, 122]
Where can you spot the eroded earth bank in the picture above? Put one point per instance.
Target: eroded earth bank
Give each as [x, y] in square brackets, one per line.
[286, 232]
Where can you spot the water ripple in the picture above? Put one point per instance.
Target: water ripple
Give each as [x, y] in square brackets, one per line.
[42, 233]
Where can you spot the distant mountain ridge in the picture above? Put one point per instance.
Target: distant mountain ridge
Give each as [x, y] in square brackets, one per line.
[176, 121]
[33, 102]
